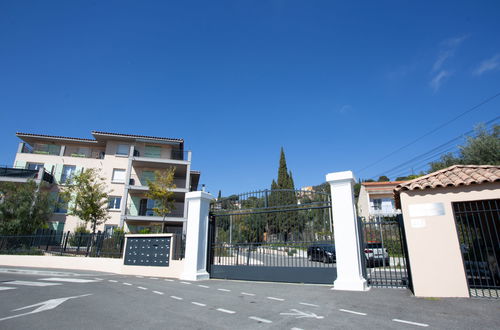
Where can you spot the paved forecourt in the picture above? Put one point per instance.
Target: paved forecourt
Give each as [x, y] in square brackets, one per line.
[81, 300]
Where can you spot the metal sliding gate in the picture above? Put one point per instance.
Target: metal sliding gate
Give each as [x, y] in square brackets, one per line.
[273, 235]
[478, 227]
[383, 245]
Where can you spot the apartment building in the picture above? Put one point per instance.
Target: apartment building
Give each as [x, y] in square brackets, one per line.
[126, 162]
[377, 199]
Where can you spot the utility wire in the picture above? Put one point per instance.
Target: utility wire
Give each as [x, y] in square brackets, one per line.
[432, 131]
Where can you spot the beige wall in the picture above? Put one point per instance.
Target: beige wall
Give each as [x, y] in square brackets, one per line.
[434, 250]
[363, 203]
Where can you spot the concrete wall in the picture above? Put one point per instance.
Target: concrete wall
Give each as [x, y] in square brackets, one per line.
[433, 246]
[109, 265]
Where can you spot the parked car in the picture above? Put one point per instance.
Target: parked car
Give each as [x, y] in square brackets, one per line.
[376, 254]
[321, 252]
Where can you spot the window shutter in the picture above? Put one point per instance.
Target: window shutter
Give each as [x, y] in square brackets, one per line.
[152, 151]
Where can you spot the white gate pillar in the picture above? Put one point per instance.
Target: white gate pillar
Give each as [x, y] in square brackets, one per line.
[195, 260]
[345, 227]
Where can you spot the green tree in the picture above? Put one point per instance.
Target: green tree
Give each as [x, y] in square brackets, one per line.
[383, 178]
[24, 208]
[483, 149]
[161, 191]
[87, 198]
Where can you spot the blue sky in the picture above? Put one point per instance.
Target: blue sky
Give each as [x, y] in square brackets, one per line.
[338, 84]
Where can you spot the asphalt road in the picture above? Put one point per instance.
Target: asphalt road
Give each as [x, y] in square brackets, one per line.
[49, 299]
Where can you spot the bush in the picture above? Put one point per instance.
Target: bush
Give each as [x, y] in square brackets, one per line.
[81, 236]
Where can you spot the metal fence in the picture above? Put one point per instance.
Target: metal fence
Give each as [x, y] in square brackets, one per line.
[478, 224]
[75, 244]
[384, 252]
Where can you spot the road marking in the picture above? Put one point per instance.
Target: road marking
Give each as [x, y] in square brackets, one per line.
[138, 276]
[260, 319]
[153, 278]
[225, 290]
[158, 292]
[352, 312]
[185, 282]
[98, 279]
[198, 304]
[67, 279]
[28, 283]
[203, 286]
[112, 281]
[42, 306]
[175, 297]
[125, 283]
[2, 288]
[225, 311]
[301, 314]
[274, 298]
[307, 304]
[248, 294]
[410, 322]
[142, 288]
[168, 280]
[296, 329]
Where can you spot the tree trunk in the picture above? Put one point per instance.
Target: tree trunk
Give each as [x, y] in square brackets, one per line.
[163, 225]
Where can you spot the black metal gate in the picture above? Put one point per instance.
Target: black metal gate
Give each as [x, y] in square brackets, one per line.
[478, 224]
[273, 235]
[384, 250]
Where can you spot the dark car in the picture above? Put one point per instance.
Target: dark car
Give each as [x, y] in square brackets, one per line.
[321, 252]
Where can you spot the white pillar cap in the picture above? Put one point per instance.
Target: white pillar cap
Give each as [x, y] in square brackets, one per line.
[340, 176]
[199, 194]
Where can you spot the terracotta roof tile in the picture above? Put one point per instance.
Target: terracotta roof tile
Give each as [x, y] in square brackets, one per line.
[453, 176]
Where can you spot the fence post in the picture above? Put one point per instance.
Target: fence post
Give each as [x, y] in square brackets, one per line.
[196, 236]
[346, 232]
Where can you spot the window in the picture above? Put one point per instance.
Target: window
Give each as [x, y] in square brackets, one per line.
[118, 176]
[147, 175]
[377, 204]
[109, 229]
[122, 149]
[46, 149]
[114, 202]
[61, 205]
[34, 166]
[152, 151]
[67, 173]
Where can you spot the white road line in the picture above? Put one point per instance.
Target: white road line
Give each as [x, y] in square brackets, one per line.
[225, 311]
[307, 304]
[225, 290]
[28, 283]
[176, 298]
[204, 286]
[410, 322]
[296, 329]
[138, 276]
[168, 280]
[153, 278]
[248, 294]
[98, 279]
[274, 298]
[158, 292]
[2, 288]
[67, 279]
[185, 282]
[125, 283]
[112, 281]
[260, 319]
[352, 312]
[142, 288]
[198, 304]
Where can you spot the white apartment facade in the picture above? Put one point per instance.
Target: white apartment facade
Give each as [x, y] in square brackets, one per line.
[377, 199]
[126, 162]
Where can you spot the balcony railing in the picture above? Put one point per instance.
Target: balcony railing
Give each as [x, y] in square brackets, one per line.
[177, 213]
[24, 174]
[174, 154]
[84, 152]
[136, 180]
[41, 149]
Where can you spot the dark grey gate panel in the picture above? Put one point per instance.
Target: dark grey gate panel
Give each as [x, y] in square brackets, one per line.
[275, 274]
[147, 251]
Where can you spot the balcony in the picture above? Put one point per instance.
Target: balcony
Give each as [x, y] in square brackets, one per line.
[41, 149]
[23, 175]
[84, 152]
[145, 157]
[147, 214]
[140, 183]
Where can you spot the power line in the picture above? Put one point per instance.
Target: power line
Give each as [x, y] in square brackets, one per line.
[433, 154]
[432, 131]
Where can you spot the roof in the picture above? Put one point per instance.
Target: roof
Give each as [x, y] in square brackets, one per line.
[453, 176]
[28, 136]
[381, 183]
[137, 136]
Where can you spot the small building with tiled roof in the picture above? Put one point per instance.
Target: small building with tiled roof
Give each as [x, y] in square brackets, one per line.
[377, 199]
[452, 225]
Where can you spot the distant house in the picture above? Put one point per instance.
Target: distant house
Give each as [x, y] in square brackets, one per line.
[377, 198]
